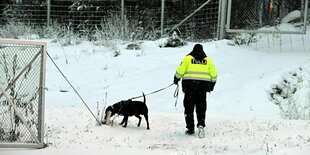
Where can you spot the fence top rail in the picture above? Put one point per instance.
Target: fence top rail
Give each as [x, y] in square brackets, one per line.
[23, 42]
[20, 145]
[264, 31]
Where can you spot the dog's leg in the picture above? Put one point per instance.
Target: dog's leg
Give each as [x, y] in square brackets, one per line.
[123, 121]
[147, 121]
[139, 117]
[126, 121]
[112, 123]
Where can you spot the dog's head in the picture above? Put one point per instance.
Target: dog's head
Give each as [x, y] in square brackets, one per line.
[109, 112]
[114, 109]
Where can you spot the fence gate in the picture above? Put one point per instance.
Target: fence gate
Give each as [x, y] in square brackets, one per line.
[22, 83]
[267, 16]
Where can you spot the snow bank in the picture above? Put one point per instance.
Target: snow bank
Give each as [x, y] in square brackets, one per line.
[291, 16]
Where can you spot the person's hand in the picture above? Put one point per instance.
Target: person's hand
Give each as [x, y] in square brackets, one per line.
[176, 80]
[212, 86]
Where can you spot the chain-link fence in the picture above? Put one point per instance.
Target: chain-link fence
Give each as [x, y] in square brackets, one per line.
[267, 16]
[257, 16]
[141, 15]
[22, 67]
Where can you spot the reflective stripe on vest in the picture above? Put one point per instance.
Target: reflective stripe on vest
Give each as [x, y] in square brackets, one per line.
[191, 69]
[198, 73]
[196, 78]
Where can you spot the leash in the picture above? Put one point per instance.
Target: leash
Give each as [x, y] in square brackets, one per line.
[176, 95]
[153, 92]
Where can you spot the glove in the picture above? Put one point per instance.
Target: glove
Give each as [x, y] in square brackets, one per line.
[176, 80]
[212, 86]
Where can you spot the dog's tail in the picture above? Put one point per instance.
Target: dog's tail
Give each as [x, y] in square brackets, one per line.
[144, 100]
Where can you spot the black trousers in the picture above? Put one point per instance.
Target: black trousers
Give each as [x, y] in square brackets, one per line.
[196, 101]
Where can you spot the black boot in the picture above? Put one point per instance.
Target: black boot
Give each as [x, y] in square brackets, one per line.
[190, 131]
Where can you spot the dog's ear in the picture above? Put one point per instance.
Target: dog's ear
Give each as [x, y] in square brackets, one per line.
[109, 108]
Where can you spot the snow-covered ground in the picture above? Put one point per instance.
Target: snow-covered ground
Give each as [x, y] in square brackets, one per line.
[240, 118]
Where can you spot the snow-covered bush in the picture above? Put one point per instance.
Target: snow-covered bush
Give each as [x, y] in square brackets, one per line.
[245, 39]
[292, 95]
[292, 17]
[109, 33]
[17, 30]
[173, 41]
[63, 33]
[134, 43]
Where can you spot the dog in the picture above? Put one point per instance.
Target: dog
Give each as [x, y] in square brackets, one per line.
[127, 108]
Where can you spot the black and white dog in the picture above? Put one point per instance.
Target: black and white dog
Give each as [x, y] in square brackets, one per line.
[127, 108]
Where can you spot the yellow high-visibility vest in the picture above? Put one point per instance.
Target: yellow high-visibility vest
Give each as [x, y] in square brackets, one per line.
[192, 69]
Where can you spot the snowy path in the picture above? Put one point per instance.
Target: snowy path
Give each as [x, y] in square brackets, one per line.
[72, 129]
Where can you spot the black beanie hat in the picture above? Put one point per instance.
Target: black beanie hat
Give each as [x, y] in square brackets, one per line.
[198, 52]
[198, 48]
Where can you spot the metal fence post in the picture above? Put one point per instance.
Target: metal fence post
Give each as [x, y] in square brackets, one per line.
[41, 106]
[306, 16]
[123, 17]
[48, 4]
[227, 27]
[223, 19]
[162, 18]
